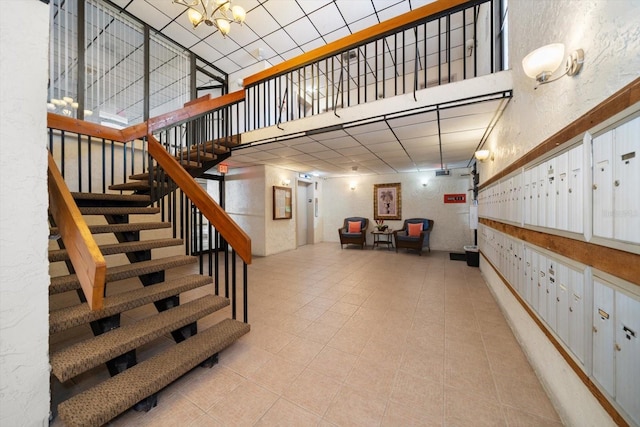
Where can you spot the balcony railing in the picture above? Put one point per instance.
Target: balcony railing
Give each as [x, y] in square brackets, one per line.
[443, 42]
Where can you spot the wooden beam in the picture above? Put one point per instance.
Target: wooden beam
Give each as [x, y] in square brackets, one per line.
[84, 253]
[222, 222]
[625, 265]
[355, 39]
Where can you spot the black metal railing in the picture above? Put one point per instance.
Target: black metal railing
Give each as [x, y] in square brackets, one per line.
[454, 45]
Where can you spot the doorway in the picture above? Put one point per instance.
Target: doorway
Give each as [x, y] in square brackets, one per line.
[304, 213]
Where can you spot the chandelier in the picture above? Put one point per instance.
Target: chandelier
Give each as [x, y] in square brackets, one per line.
[214, 13]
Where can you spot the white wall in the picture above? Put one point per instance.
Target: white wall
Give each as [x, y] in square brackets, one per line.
[24, 304]
[608, 32]
[451, 221]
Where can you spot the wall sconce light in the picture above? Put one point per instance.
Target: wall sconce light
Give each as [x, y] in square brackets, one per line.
[352, 186]
[483, 155]
[544, 61]
[286, 182]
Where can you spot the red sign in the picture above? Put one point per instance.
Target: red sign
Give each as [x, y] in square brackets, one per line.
[222, 168]
[455, 198]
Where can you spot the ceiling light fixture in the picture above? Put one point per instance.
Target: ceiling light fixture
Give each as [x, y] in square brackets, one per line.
[544, 61]
[215, 13]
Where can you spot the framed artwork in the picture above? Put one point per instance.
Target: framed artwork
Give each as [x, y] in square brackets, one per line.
[281, 202]
[387, 201]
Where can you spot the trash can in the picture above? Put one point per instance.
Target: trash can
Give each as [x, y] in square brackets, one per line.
[473, 256]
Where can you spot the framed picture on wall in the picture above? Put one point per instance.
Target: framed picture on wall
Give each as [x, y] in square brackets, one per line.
[387, 201]
[281, 202]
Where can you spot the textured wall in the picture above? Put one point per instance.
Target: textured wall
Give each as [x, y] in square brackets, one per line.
[24, 304]
[245, 203]
[609, 33]
[451, 221]
[280, 234]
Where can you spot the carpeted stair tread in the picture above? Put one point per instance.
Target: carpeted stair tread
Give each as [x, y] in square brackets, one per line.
[105, 401]
[133, 186]
[120, 248]
[70, 282]
[121, 228]
[68, 317]
[118, 210]
[80, 357]
[86, 199]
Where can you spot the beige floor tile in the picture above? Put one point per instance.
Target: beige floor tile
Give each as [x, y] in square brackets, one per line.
[354, 408]
[462, 409]
[373, 378]
[277, 375]
[300, 350]
[319, 332]
[348, 341]
[424, 397]
[244, 358]
[206, 420]
[517, 418]
[312, 391]
[245, 405]
[207, 388]
[267, 337]
[284, 413]
[383, 352]
[171, 408]
[427, 364]
[526, 395]
[398, 414]
[474, 377]
[333, 363]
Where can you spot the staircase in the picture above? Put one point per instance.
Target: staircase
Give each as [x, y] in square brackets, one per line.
[82, 341]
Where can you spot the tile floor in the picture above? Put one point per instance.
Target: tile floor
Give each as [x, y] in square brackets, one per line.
[361, 338]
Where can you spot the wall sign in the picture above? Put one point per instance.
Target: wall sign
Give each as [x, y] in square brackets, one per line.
[455, 198]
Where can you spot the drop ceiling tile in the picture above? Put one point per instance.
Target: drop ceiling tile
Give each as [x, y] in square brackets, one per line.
[337, 34]
[280, 41]
[363, 157]
[327, 19]
[285, 151]
[261, 22]
[352, 151]
[312, 5]
[376, 137]
[470, 136]
[286, 15]
[314, 44]
[242, 58]
[182, 35]
[354, 10]
[242, 35]
[312, 147]
[384, 147]
[364, 23]
[207, 52]
[225, 64]
[292, 53]
[389, 12]
[327, 155]
[302, 31]
[224, 45]
[340, 143]
[264, 155]
[154, 16]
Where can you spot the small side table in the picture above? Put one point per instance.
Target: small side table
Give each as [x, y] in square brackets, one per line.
[384, 237]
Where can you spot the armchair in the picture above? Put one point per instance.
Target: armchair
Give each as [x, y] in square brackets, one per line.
[410, 239]
[351, 236]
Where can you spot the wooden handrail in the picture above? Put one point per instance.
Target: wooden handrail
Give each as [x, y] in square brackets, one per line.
[354, 40]
[69, 124]
[229, 230]
[87, 260]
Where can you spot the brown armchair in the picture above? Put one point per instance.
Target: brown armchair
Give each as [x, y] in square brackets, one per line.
[359, 238]
[404, 240]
